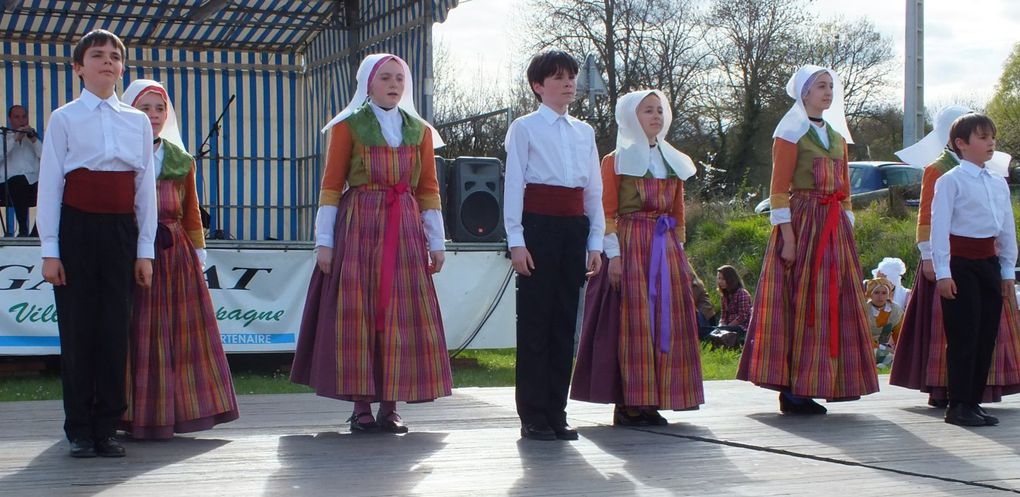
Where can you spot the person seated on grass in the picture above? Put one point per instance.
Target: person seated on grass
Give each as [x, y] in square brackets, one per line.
[736, 309]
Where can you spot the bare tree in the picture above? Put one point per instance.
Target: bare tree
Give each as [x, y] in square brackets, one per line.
[639, 44]
[860, 55]
[754, 43]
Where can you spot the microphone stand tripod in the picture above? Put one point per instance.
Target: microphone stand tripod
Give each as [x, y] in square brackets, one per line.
[210, 146]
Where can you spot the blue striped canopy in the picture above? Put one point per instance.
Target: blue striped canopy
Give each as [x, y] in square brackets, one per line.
[290, 64]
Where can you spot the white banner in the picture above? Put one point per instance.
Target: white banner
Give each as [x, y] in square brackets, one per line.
[258, 296]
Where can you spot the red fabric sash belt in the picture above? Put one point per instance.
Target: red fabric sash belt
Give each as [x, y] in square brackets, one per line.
[100, 192]
[971, 248]
[826, 243]
[552, 200]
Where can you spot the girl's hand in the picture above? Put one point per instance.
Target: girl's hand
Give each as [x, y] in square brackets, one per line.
[324, 259]
[928, 270]
[438, 257]
[615, 272]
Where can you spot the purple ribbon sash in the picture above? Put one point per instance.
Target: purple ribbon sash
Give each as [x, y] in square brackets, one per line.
[659, 288]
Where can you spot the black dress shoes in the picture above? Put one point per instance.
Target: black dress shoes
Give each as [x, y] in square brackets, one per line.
[363, 423]
[989, 419]
[539, 432]
[83, 447]
[565, 432]
[964, 415]
[110, 447]
[623, 416]
[654, 418]
[392, 423]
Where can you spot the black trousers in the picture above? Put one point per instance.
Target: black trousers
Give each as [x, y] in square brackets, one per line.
[971, 325]
[547, 315]
[98, 252]
[22, 195]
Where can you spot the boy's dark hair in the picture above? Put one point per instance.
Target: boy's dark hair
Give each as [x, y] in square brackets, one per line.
[549, 63]
[98, 37]
[731, 277]
[966, 125]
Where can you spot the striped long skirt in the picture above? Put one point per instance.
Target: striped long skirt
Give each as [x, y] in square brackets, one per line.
[830, 355]
[659, 366]
[178, 377]
[920, 361]
[340, 352]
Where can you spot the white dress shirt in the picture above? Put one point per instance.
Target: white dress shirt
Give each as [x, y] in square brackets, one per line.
[551, 149]
[391, 123]
[969, 201]
[100, 135]
[22, 158]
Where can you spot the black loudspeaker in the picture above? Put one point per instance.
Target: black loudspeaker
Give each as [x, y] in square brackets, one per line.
[475, 205]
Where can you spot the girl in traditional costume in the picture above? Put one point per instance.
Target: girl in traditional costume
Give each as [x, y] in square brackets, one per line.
[808, 336]
[178, 378]
[371, 330]
[639, 345]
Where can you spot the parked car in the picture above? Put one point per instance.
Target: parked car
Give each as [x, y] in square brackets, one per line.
[868, 176]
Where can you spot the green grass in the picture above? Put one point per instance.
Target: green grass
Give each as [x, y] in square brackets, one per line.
[472, 368]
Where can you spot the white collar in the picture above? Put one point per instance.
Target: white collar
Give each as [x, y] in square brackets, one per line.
[91, 100]
[550, 116]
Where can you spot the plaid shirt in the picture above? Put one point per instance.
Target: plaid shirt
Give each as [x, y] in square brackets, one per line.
[736, 309]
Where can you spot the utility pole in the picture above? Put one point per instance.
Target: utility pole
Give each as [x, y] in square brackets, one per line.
[913, 81]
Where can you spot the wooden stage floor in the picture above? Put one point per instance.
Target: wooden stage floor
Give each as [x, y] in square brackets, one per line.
[889, 443]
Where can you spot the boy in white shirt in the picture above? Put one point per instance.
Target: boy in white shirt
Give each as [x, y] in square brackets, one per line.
[554, 223]
[97, 224]
[974, 251]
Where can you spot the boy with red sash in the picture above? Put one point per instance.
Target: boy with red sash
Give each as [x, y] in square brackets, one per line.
[97, 223]
[555, 223]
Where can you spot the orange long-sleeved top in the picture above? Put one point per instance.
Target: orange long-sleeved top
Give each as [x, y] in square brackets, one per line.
[342, 167]
[932, 173]
[620, 196]
[793, 167]
[191, 218]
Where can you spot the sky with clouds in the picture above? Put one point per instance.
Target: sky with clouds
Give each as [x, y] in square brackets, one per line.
[965, 43]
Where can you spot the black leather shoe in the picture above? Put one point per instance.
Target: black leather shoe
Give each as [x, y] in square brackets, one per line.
[938, 403]
[538, 432]
[392, 423]
[989, 419]
[110, 447]
[654, 418]
[83, 447]
[358, 426]
[963, 415]
[565, 432]
[812, 407]
[621, 417]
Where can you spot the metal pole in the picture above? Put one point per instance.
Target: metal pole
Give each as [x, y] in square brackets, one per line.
[913, 81]
[427, 84]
